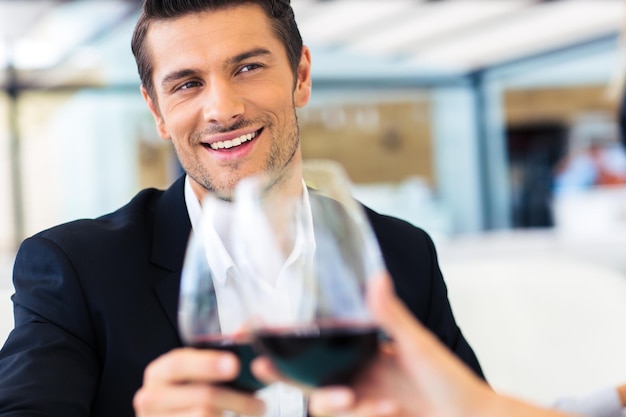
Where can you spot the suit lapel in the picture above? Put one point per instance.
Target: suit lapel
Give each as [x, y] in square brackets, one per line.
[167, 290]
[171, 231]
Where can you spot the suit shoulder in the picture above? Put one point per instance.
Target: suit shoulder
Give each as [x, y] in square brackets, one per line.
[138, 213]
[392, 228]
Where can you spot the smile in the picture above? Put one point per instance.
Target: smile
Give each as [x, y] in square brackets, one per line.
[227, 144]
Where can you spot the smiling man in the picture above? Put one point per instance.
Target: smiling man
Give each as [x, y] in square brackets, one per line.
[225, 91]
[96, 300]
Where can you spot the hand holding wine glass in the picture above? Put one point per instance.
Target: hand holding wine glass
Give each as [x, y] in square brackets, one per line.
[206, 380]
[202, 324]
[306, 260]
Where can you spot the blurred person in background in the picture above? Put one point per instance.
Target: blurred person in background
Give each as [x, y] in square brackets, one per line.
[95, 301]
[596, 165]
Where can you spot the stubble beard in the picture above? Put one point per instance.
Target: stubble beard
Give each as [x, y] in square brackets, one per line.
[280, 157]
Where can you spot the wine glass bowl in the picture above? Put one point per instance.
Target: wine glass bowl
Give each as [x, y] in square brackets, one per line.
[321, 355]
[312, 252]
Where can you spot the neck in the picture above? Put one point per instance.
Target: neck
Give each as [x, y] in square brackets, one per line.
[279, 184]
[287, 182]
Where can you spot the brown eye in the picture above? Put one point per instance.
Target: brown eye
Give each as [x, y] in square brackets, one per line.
[249, 67]
[188, 85]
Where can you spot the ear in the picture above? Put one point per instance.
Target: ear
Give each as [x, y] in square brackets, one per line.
[158, 119]
[302, 92]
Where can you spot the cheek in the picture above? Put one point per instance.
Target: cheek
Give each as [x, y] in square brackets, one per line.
[272, 98]
[180, 122]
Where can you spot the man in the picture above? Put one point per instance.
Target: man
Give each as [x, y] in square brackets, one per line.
[96, 300]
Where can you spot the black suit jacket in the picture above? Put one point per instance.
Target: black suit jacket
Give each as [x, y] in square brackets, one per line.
[96, 301]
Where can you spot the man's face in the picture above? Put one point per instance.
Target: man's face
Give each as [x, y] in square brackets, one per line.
[225, 95]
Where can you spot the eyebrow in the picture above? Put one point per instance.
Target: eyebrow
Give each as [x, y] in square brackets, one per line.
[177, 75]
[248, 54]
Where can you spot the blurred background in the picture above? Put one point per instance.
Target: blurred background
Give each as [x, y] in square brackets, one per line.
[493, 125]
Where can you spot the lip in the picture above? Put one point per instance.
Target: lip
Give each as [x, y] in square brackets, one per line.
[221, 137]
[236, 152]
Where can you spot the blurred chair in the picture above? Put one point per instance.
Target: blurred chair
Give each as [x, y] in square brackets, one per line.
[6, 313]
[544, 326]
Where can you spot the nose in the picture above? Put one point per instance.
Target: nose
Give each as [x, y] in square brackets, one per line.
[223, 104]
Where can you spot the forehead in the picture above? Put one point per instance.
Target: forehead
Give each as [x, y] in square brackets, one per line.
[212, 34]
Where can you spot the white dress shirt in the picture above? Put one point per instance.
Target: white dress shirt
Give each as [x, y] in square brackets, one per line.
[601, 403]
[282, 400]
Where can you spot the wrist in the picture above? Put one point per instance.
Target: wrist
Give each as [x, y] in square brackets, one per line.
[501, 405]
[498, 405]
[488, 404]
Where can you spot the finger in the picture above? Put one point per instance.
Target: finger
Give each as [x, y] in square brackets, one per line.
[195, 399]
[393, 316]
[264, 371]
[376, 408]
[239, 402]
[418, 349]
[162, 399]
[331, 401]
[342, 402]
[189, 365]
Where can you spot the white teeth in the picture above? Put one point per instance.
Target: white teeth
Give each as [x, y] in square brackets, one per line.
[233, 142]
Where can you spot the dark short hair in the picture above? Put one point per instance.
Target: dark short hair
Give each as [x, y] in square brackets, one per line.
[279, 12]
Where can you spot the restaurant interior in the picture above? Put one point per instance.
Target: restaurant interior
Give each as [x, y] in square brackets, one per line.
[474, 120]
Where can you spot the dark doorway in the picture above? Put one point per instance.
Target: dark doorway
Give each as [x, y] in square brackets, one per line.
[534, 151]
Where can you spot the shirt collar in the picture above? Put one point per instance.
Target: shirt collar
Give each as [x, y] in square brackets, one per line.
[220, 261]
[219, 218]
[193, 205]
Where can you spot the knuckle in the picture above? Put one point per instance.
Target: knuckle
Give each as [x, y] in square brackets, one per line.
[162, 368]
[141, 400]
[209, 396]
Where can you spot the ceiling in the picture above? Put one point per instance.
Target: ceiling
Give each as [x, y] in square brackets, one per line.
[58, 42]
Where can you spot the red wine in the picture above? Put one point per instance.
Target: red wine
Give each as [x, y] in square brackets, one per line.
[319, 356]
[245, 381]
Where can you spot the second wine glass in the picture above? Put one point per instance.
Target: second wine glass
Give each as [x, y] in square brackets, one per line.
[307, 259]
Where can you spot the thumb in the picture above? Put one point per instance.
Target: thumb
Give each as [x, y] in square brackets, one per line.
[393, 317]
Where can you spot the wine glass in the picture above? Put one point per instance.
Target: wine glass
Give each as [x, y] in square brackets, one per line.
[201, 324]
[306, 260]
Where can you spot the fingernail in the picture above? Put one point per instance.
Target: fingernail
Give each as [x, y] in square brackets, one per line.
[386, 407]
[339, 398]
[226, 364]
